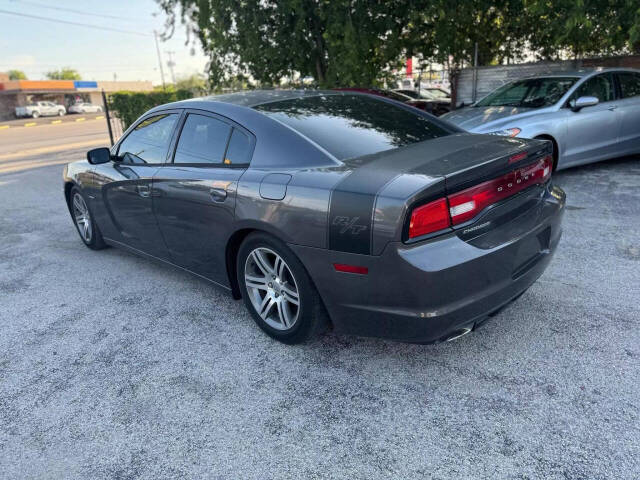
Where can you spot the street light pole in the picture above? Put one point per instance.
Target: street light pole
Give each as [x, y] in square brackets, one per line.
[155, 36]
[171, 64]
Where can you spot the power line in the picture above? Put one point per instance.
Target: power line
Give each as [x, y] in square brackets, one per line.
[70, 10]
[95, 27]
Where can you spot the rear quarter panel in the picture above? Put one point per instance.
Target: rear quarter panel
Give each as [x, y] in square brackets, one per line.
[300, 217]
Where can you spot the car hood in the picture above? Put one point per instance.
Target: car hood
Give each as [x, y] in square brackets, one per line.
[472, 117]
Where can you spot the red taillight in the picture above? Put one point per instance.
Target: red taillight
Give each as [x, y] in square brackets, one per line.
[465, 205]
[429, 218]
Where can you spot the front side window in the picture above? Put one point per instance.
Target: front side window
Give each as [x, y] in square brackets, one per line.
[203, 140]
[530, 93]
[599, 86]
[149, 140]
[349, 126]
[629, 84]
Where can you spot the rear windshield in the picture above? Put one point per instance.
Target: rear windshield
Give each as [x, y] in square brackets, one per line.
[349, 126]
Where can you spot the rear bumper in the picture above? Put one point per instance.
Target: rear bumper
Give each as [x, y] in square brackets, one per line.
[428, 291]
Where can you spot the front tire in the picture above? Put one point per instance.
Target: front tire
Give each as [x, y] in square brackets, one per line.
[278, 291]
[35, 114]
[84, 222]
[60, 113]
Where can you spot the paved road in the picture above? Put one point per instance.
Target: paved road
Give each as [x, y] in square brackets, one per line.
[69, 118]
[112, 366]
[25, 147]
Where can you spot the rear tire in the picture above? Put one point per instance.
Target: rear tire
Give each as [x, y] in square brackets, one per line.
[35, 114]
[277, 290]
[84, 222]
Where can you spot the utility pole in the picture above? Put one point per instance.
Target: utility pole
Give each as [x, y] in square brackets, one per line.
[171, 64]
[155, 36]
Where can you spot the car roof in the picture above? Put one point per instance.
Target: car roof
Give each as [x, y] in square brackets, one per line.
[253, 98]
[586, 72]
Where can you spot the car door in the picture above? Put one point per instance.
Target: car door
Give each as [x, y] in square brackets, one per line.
[194, 195]
[123, 193]
[629, 111]
[592, 132]
[44, 108]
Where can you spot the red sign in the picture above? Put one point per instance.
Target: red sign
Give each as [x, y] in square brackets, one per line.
[409, 67]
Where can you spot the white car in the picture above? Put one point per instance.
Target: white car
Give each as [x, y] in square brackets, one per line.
[85, 108]
[38, 109]
[588, 115]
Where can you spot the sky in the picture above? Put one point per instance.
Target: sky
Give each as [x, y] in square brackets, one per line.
[37, 46]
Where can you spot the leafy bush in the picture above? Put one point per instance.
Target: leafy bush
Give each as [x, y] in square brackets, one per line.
[128, 106]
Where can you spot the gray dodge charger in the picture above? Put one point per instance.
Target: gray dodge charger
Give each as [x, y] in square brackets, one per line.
[327, 209]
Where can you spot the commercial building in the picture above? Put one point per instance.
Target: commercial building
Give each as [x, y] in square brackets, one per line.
[18, 93]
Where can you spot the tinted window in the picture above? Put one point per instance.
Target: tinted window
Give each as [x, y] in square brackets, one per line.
[203, 140]
[599, 86]
[149, 140]
[350, 126]
[629, 84]
[530, 93]
[239, 148]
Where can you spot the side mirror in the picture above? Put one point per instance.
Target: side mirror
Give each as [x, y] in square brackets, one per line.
[98, 156]
[583, 102]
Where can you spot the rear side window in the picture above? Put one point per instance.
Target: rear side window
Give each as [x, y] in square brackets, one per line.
[239, 149]
[203, 140]
[349, 126]
[629, 84]
[149, 140]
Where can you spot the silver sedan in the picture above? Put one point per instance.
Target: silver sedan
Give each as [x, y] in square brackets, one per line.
[588, 115]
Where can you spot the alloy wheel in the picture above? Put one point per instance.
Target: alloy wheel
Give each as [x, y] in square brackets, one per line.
[272, 288]
[82, 217]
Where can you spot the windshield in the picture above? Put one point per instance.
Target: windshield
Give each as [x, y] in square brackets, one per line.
[435, 93]
[530, 93]
[399, 97]
[349, 126]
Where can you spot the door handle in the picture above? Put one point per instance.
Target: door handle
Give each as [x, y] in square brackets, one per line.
[144, 191]
[218, 194]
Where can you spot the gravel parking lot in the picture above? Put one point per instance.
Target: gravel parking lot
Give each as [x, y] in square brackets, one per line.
[112, 366]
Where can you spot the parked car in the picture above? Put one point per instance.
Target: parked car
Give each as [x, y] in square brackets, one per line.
[325, 206]
[38, 109]
[393, 95]
[438, 99]
[587, 115]
[84, 108]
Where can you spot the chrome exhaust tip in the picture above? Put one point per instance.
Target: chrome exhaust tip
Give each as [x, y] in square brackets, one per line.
[457, 334]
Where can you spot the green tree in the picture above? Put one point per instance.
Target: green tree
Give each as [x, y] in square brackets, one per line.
[196, 83]
[337, 42]
[583, 27]
[16, 75]
[448, 31]
[65, 73]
